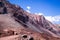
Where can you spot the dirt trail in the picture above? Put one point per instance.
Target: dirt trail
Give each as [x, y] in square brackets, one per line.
[13, 37]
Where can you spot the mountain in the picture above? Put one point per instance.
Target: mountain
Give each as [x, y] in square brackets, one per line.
[17, 24]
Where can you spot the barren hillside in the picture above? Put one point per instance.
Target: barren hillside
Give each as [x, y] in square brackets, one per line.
[17, 24]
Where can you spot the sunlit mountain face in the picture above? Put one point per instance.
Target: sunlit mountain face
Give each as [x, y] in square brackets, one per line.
[49, 8]
[16, 23]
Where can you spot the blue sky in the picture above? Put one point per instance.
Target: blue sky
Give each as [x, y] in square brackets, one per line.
[49, 8]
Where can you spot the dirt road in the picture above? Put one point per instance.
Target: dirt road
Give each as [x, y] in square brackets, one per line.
[13, 37]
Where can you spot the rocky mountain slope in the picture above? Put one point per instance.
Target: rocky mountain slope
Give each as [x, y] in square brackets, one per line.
[16, 21]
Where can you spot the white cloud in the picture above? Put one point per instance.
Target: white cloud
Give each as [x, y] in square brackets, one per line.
[28, 7]
[39, 13]
[53, 18]
[28, 11]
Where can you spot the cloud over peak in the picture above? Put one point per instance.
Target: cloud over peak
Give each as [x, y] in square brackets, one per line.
[39, 13]
[28, 7]
[53, 18]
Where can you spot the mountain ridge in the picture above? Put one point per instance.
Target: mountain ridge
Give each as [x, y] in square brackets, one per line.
[15, 19]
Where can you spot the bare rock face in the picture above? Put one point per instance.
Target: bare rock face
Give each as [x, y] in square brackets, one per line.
[16, 21]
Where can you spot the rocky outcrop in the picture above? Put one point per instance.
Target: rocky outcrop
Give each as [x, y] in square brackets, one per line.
[28, 26]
